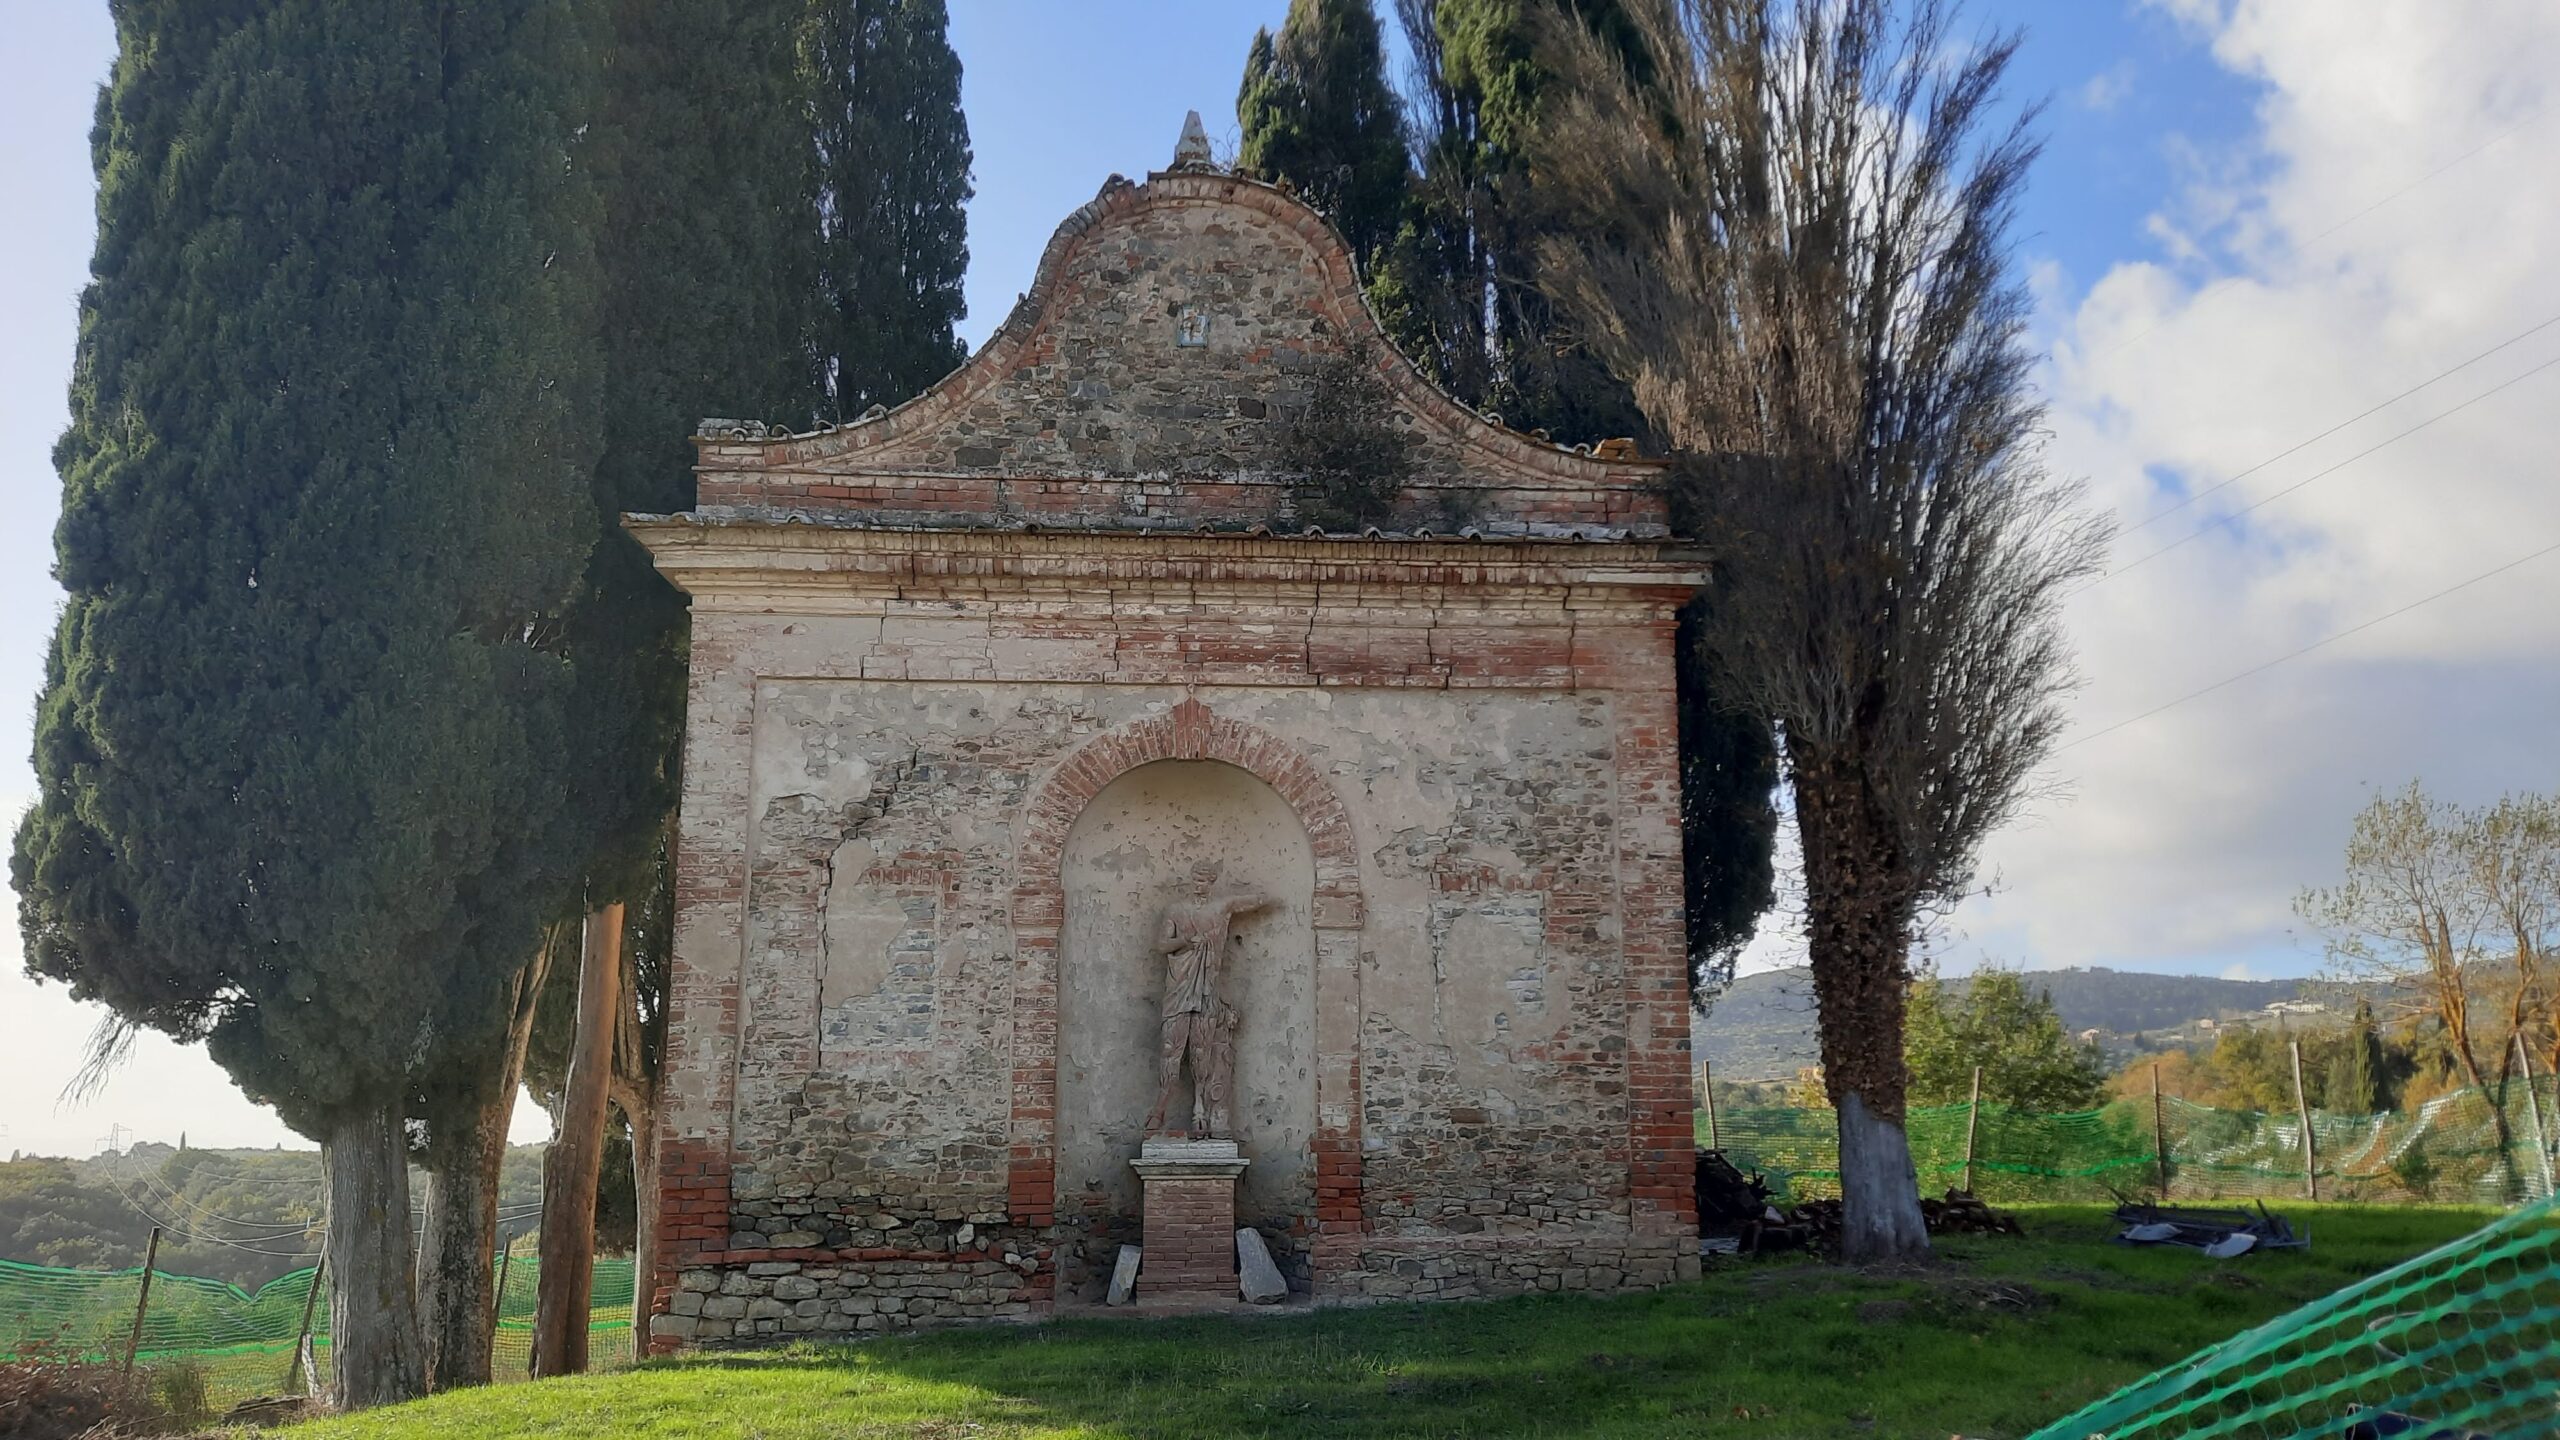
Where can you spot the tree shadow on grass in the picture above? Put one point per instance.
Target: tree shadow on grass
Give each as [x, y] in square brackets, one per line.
[1675, 1362]
[2004, 1336]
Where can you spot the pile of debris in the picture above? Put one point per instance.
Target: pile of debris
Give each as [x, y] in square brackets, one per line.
[1960, 1213]
[1728, 1199]
[2221, 1234]
[1735, 1215]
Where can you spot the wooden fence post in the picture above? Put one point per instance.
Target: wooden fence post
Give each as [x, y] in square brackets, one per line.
[498, 1301]
[142, 1302]
[2302, 1109]
[1972, 1121]
[2533, 1107]
[2159, 1133]
[1707, 1090]
[301, 1362]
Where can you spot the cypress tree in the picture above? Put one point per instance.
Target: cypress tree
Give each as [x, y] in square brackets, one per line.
[1458, 287]
[1728, 815]
[325, 477]
[892, 154]
[1317, 112]
[709, 253]
[2354, 1083]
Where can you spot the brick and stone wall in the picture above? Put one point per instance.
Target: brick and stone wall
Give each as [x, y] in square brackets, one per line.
[1085, 409]
[942, 770]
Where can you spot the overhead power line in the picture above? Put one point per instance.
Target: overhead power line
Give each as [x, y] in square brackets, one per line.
[2159, 515]
[2255, 505]
[186, 1234]
[2326, 640]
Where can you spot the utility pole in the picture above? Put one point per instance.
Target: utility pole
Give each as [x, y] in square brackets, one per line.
[142, 1302]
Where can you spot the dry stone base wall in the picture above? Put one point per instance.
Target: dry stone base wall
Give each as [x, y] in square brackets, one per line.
[1442, 1270]
[769, 1301]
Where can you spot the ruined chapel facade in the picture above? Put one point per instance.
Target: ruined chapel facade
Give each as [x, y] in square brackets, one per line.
[978, 680]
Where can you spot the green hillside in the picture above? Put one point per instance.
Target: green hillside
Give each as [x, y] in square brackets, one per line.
[1762, 1027]
[245, 1216]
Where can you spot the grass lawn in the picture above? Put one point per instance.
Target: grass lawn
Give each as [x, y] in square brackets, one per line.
[2001, 1337]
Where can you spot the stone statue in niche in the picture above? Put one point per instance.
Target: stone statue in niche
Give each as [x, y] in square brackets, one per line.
[1198, 1027]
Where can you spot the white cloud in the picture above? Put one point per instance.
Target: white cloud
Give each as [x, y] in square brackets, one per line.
[2391, 217]
[2108, 88]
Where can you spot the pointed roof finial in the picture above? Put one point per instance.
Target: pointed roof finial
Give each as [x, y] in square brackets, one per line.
[1191, 152]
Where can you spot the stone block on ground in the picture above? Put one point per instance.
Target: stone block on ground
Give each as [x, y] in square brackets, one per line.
[1257, 1278]
[1124, 1277]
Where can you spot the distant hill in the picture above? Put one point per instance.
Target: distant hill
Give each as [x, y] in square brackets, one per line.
[246, 1216]
[1762, 1028]
[2129, 1001]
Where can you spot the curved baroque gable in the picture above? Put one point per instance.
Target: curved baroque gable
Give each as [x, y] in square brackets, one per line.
[1138, 384]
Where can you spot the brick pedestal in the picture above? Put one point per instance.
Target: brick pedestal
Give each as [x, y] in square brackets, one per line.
[1188, 1248]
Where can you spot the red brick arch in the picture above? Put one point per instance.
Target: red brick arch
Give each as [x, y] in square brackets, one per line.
[1189, 732]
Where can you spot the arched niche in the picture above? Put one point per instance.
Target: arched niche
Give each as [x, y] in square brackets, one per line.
[1128, 853]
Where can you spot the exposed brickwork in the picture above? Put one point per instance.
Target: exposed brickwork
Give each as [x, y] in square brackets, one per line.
[1082, 411]
[1189, 1249]
[899, 717]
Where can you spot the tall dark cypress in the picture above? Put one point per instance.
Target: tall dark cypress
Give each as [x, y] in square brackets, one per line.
[1317, 112]
[893, 178]
[709, 253]
[1458, 288]
[331, 421]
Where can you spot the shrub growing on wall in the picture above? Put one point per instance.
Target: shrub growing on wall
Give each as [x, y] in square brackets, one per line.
[1346, 446]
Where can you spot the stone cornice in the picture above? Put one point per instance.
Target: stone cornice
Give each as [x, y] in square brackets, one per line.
[760, 563]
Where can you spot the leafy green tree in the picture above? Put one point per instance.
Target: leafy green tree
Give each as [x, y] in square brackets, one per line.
[1351, 458]
[893, 178]
[2250, 1067]
[1994, 1020]
[1317, 112]
[332, 420]
[49, 1217]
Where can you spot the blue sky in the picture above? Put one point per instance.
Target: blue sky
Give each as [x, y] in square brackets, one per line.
[2254, 219]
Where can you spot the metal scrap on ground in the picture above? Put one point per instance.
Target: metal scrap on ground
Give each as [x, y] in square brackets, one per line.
[2221, 1234]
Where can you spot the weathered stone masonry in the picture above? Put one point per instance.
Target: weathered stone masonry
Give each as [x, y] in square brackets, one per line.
[975, 679]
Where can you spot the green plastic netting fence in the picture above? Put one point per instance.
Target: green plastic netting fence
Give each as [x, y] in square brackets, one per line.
[2462, 1343]
[243, 1343]
[2446, 1151]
